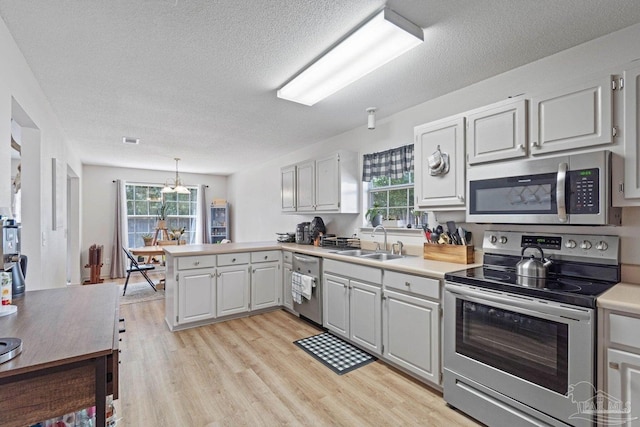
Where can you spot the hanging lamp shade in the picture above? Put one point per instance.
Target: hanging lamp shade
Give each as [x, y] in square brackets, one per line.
[175, 185]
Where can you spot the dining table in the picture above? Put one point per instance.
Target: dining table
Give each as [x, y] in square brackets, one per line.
[150, 252]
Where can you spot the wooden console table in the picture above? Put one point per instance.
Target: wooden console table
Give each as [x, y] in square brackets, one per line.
[69, 358]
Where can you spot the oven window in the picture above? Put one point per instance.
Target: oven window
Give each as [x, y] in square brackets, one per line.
[528, 347]
[528, 194]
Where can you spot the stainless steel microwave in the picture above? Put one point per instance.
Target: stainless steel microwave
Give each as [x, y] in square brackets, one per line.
[572, 189]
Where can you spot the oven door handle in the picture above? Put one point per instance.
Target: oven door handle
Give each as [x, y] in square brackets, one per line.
[561, 196]
[532, 307]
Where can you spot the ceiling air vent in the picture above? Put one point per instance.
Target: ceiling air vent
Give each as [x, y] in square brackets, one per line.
[129, 140]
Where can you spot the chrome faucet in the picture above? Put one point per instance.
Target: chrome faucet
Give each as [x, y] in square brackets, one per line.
[400, 245]
[373, 233]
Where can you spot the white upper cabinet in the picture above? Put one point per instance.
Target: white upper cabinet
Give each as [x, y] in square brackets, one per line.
[631, 94]
[441, 186]
[572, 118]
[497, 132]
[326, 184]
[288, 188]
[305, 191]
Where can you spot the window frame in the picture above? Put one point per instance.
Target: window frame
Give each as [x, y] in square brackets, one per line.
[174, 220]
[410, 197]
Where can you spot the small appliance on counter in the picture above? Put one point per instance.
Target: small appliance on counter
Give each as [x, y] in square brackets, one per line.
[317, 228]
[10, 254]
[303, 235]
[286, 237]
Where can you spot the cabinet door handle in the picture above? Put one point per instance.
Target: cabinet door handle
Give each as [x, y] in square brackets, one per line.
[614, 365]
[522, 148]
[536, 144]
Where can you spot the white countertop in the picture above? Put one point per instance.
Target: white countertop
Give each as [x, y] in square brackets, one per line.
[408, 264]
[622, 297]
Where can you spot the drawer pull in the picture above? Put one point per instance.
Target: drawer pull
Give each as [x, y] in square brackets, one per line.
[407, 283]
[196, 263]
[614, 365]
[233, 260]
[266, 257]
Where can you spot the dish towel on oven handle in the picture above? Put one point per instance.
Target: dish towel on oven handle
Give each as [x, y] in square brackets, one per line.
[301, 286]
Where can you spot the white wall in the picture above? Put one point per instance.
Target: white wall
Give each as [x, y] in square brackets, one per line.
[601, 55]
[99, 195]
[42, 138]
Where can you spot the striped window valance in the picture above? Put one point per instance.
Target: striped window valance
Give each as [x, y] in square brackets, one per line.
[392, 163]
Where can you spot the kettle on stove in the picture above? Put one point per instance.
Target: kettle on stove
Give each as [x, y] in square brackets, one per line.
[532, 267]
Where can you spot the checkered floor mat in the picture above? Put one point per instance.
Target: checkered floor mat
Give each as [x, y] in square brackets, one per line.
[339, 356]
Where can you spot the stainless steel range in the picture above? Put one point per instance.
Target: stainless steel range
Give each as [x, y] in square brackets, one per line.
[520, 350]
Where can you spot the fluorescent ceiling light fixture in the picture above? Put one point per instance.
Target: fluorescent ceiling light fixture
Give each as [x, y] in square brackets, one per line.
[377, 41]
[176, 186]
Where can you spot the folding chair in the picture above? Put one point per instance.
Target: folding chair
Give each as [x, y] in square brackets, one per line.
[141, 268]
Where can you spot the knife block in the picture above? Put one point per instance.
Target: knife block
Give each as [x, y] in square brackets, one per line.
[460, 254]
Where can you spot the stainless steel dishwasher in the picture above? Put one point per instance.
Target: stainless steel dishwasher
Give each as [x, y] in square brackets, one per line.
[310, 266]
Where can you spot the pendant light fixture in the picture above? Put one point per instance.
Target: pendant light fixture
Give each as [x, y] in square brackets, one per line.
[375, 42]
[175, 186]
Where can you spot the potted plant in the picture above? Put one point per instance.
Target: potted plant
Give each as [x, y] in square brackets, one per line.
[161, 217]
[147, 239]
[374, 215]
[176, 234]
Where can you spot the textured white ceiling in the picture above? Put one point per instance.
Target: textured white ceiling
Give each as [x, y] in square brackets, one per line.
[197, 79]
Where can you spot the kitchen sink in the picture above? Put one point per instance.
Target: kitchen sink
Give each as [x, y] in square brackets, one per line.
[381, 256]
[354, 252]
[372, 255]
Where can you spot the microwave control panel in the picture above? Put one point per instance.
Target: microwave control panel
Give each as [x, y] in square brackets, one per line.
[584, 191]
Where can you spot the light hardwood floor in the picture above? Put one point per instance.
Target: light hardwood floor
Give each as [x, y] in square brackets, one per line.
[249, 372]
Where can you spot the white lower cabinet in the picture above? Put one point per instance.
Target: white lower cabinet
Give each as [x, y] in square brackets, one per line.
[336, 304]
[411, 324]
[266, 279]
[623, 382]
[233, 289]
[411, 334]
[619, 366]
[196, 295]
[266, 285]
[365, 312]
[353, 305]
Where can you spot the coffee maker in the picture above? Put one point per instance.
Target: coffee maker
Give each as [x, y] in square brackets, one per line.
[303, 236]
[10, 254]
